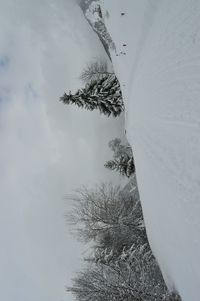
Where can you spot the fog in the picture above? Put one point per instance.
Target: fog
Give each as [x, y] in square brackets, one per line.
[47, 149]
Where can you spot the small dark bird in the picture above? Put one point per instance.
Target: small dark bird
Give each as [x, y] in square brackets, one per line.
[122, 14]
[124, 45]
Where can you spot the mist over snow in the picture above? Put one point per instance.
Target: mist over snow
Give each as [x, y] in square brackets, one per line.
[47, 149]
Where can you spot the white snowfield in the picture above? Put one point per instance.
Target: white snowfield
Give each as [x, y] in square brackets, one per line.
[159, 72]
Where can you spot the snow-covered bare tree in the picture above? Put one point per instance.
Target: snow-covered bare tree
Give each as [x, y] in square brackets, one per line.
[102, 94]
[94, 70]
[106, 217]
[124, 165]
[121, 266]
[136, 277]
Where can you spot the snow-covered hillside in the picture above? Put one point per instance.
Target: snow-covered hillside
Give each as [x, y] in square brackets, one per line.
[92, 12]
[157, 61]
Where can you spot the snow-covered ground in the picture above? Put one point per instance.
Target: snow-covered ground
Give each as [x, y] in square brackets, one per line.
[92, 12]
[159, 71]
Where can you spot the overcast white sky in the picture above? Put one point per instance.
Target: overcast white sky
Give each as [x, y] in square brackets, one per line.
[47, 149]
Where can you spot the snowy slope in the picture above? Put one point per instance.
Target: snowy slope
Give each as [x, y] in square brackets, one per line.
[160, 79]
[92, 12]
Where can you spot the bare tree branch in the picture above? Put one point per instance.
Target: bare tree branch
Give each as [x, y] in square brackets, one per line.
[94, 70]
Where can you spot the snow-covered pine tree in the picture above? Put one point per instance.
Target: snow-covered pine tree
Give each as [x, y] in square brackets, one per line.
[103, 94]
[124, 164]
[119, 148]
